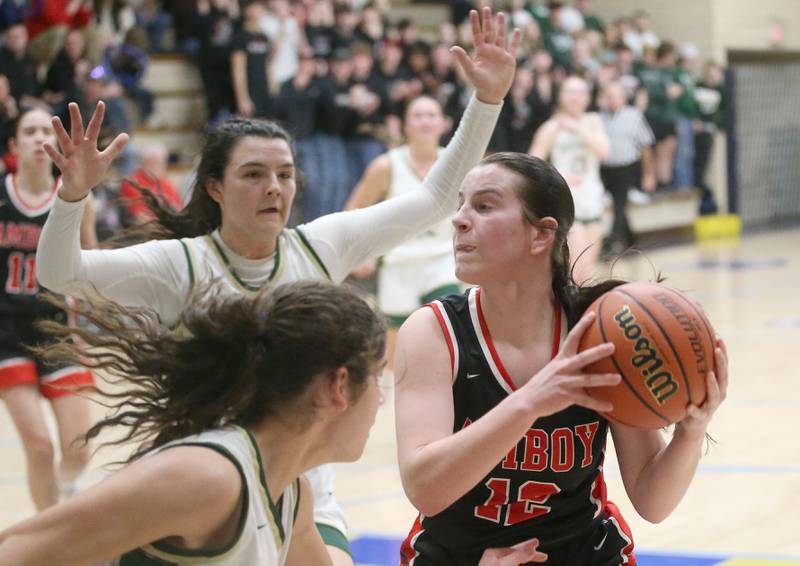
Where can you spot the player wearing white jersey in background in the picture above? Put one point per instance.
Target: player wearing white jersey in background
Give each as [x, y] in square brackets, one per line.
[575, 142]
[421, 269]
[234, 227]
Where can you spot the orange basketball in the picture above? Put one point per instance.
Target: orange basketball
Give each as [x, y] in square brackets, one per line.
[664, 349]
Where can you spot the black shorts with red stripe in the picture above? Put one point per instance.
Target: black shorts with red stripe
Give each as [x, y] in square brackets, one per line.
[606, 543]
[19, 367]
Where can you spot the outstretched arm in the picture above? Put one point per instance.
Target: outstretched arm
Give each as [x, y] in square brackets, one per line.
[344, 240]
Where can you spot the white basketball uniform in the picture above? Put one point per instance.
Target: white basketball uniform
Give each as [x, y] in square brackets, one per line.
[421, 265]
[160, 274]
[265, 527]
[580, 168]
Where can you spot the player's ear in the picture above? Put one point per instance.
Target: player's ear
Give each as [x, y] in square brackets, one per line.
[543, 234]
[335, 390]
[214, 190]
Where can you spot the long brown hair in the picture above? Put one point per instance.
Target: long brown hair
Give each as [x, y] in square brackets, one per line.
[231, 359]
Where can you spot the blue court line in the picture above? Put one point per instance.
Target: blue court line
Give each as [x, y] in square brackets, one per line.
[728, 555]
[382, 550]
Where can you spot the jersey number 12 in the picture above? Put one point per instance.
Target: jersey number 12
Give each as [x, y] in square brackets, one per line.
[531, 497]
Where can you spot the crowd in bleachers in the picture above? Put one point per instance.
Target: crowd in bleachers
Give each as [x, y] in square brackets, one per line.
[339, 73]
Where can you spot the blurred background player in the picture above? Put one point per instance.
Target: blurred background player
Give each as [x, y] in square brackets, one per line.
[575, 142]
[26, 197]
[422, 269]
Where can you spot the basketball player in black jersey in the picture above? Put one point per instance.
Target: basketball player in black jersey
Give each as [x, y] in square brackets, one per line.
[25, 200]
[498, 441]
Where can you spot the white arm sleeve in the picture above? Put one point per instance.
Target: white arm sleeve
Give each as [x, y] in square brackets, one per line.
[345, 239]
[154, 274]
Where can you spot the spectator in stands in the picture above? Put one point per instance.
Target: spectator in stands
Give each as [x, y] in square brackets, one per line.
[544, 88]
[298, 106]
[685, 76]
[18, 67]
[319, 28]
[369, 100]
[152, 177]
[395, 73]
[250, 61]
[127, 62]
[519, 111]
[101, 85]
[657, 78]
[67, 71]
[8, 112]
[48, 22]
[114, 18]
[156, 21]
[557, 41]
[345, 24]
[636, 33]
[582, 58]
[337, 119]
[590, 20]
[629, 163]
[372, 28]
[711, 104]
[625, 61]
[280, 25]
[214, 25]
[11, 12]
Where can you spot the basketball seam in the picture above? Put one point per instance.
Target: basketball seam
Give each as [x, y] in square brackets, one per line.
[702, 318]
[667, 338]
[619, 369]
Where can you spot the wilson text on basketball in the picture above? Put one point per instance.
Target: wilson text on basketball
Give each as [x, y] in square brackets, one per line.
[659, 382]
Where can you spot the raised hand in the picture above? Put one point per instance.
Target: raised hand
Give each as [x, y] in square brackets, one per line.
[493, 63]
[697, 418]
[521, 553]
[562, 382]
[81, 164]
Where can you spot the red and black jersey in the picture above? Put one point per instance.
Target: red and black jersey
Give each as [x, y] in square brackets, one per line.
[550, 485]
[20, 227]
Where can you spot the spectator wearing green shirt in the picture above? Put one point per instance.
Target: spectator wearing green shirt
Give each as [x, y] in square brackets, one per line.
[656, 75]
[590, 21]
[685, 75]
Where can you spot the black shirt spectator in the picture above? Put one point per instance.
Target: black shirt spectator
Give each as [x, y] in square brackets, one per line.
[214, 27]
[17, 65]
[256, 49]
[298, 102]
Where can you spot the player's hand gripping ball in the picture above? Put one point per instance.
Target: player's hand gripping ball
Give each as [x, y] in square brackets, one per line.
[664, 349]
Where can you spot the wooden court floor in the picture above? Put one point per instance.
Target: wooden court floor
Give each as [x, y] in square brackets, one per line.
[743, 507]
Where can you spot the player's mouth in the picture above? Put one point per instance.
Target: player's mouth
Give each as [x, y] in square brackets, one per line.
[464, 248]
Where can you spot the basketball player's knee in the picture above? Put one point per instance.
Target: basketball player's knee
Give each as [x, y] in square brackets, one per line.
[39, 448]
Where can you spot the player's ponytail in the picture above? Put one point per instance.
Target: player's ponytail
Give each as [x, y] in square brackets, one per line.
[234, 359]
